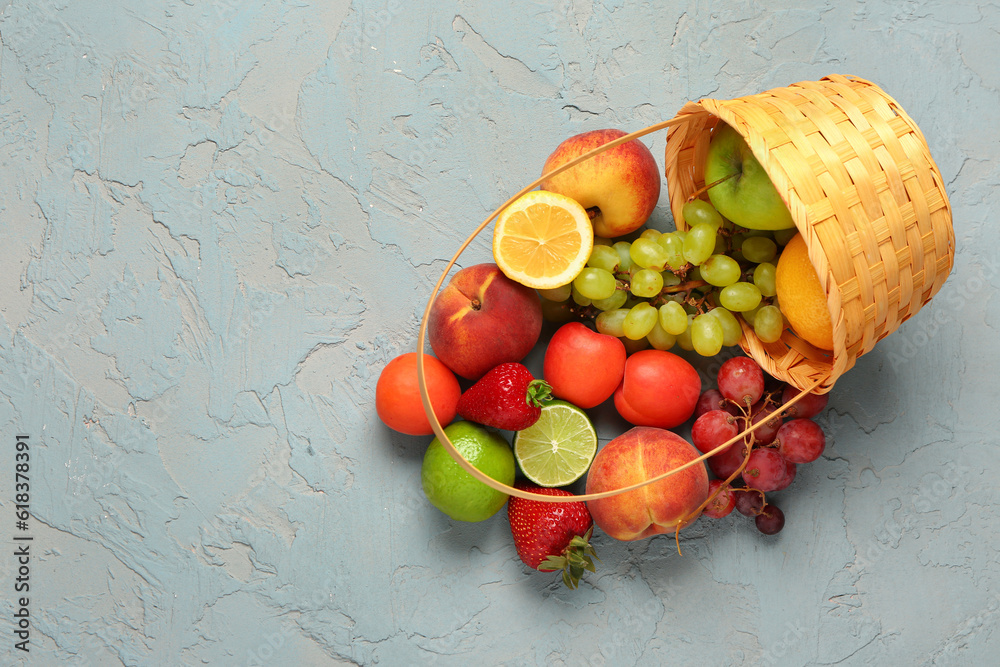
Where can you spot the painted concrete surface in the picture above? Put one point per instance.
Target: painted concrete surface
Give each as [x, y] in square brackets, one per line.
[221, 219]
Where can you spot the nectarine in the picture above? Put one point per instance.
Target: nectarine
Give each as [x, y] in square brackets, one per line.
[637, 455]
[582, 365]
[658, 389]
[481, 319]
[619, 186]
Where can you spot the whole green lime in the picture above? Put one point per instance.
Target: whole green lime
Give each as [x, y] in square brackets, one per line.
[453, 490]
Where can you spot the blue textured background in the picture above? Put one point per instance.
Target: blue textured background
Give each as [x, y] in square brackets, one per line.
[220, 220]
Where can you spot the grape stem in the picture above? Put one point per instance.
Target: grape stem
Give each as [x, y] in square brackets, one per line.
[677, 289]
[697, 511]
[584, 312]
[698, 304]
[739, 470]
[683, 287]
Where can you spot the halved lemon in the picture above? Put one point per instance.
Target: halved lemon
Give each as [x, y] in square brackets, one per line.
[543, 240]
[558, 448]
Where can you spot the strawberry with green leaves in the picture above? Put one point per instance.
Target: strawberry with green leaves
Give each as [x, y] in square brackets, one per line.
[508, 397]
[552, 536]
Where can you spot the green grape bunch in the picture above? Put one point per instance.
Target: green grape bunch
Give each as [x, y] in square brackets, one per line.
[685, 288]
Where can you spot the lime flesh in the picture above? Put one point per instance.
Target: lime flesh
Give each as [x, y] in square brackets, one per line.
[557, 449]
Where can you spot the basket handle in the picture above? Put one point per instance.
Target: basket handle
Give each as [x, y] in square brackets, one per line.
[422, 337]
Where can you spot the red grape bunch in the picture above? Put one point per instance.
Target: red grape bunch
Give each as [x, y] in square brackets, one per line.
[765, 460]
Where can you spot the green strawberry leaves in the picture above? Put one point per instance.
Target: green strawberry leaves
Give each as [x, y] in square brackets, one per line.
[539, 393]
[576, 559]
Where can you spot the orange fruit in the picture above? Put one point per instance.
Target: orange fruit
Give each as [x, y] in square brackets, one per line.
[543, 240]
[801, 297]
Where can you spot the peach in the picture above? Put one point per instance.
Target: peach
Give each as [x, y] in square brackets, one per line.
[619, 187]
[582, 365]
[481, 319]
[637, 455]
[658, 389]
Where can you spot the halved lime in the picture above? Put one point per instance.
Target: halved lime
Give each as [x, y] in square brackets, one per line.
[558, 448]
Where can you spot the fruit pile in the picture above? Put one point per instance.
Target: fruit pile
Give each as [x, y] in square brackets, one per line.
[576, 253]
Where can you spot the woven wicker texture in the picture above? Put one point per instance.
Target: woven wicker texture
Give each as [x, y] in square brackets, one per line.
[862, 188]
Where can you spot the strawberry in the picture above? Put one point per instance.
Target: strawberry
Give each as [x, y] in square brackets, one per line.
[508, 398]
[552, 536]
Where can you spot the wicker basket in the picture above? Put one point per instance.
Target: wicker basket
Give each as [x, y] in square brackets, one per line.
[862, 188]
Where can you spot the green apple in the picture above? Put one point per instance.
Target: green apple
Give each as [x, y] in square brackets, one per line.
[747, 196]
